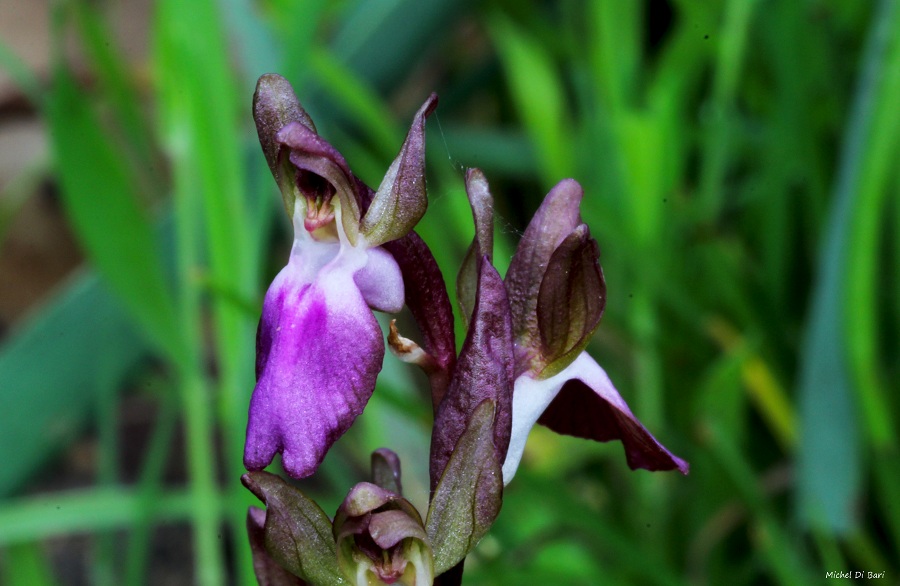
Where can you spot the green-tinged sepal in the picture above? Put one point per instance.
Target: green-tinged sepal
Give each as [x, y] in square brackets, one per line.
[401, 199]
[297, 533]
[468, 497]
[275, 106]
[570, 301]
[381, 539]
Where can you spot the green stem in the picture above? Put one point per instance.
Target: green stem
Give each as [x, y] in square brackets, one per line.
[194, 388]
[149, 491]
[104, 571]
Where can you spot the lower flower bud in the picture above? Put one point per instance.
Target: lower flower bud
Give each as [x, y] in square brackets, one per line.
[381, 539]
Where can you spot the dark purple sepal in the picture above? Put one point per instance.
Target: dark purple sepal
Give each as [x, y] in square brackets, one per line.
[570, 301]
[557, 217]
[469, 494]
[482, 205]
[484, 371]
[297, 534]
[268, 572]
[401, 199]
[319, 351]
[588, 406]
[427, 300]
[386, 470]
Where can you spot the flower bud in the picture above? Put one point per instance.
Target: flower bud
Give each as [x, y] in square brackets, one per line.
[381, 539]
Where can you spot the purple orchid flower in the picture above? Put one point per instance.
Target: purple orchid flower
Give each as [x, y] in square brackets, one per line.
[319, 346]
[557, 295]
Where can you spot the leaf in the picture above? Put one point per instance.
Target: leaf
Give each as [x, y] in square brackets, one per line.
[26, 564]
[832, 351]
[297, 532]
[268, 572]
[469, 495]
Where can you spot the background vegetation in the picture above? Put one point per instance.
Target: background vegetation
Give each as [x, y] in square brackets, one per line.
[739, 163]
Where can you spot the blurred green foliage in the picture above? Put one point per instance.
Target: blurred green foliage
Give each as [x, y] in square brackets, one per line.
[738, 159]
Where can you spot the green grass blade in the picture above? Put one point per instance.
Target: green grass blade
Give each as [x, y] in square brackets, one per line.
[113, 74]
[78, 511]
[201, 118]
[100, 200]
[731, 40]
[615, 51]
[383, 40]
[355, 97]
[536, 89]
[872, 185]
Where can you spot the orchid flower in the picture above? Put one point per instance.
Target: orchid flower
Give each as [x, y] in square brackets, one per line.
[557, 295]
[319, 346]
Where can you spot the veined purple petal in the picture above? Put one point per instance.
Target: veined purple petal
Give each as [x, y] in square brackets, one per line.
[571, 300]
[582, 401]
[319, 352]
[388, 528]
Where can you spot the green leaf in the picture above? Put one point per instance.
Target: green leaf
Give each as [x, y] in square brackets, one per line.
[832, 349]
[468, 497]
[114, 75]
[268, 572]
[297, 532]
